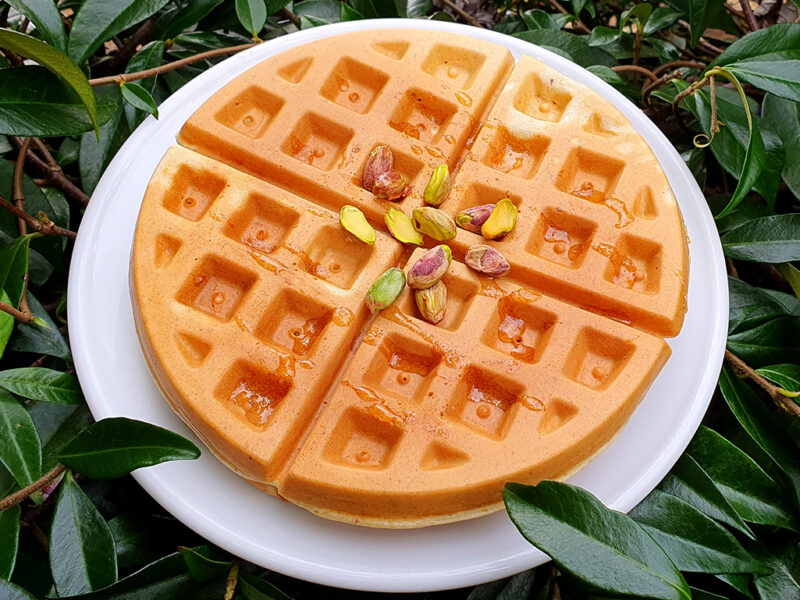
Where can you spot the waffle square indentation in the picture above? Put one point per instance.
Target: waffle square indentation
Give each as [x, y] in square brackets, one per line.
[520, 328]
[421, 115]
[541, 101]
[455, 66]
[402, 366]
[192, 192]
[261, 223]
[516, 156]
[354, 85]
[483, 401]
[251, 392]
[362, 440]
[294, 322]
[336, 258]
[318, 141]
[216, 287]
[561, 237]
[251, 112]
[597, 358]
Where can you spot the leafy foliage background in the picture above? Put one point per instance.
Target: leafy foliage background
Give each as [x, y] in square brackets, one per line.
[721, 79]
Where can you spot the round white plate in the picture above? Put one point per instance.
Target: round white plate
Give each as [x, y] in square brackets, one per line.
[221, 507]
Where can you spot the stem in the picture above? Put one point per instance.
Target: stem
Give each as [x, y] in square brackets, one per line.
[52, 171]
[21, 316]
[749, 16]
[743, 369]
[18, 195]
[43, 227]
[678, 64]
[579, 25]
[232, 580]
[125, 77]
[651, 87]
[19, 496]
[635, 69]
[462, 13]
[285, 12]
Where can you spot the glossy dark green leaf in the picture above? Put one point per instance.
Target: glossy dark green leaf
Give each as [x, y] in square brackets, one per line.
[365, 8]
[38, 339]
[786, 376]
[755, 158]
[57, 424]
[13, 267]
[750, 208]
[638, 13]
[790, 303]
[254, 588]
[772, 239]
[11, 591]
[9, 540]
[55, 61]
[82, 556]
[784, 581]
[347, 13]
[774, 73]
[576, 47]
[20, 449]
[792, 275]
[135, 539]
[138, 97]
[693, 541]
[751, 306]
[35, 102]
[754, 495]
[186, 17]
[742, 582]
[100, 20]
[7, 323]
[698, 594]
[274, 6]
[202, 567]
[661, 18]
[114, 447]
[768, 343]
[602, 36]
[513, 588]
[416, 9]
[47, 385]
[760, 425]
[252, 15]
[776, 38]
[688, 481]
[95, 155]
[47, 19]
[699, 15]
[784, 118]
[595, 545]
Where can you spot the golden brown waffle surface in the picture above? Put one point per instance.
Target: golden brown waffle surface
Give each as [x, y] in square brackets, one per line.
[249, 296]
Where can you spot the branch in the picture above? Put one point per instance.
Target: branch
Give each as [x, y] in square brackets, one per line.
[285, 12]
[52, 171]
[19, 315]
[651, 87]
[18, 195]
[743, 370]
[462, 13]
[128, 49]
[749, 16]
[125, 77]
[579, 25]
[43, 227]
[678, 64]
[635, 69]
[19, 496]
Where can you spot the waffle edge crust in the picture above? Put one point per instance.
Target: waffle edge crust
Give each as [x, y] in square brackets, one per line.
[248, 295]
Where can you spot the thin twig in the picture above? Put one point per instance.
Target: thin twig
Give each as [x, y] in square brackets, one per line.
[128, 48]
[651, 87]
[743, 369]
[232, 580]
[732, 270]
[285, 12]
[22, 317]
[43, 227]
[19, 496]
[52, 171]
[702, 43]
[125, 77]
[577, 23]
[18, 195]
[749, 16]
[40, 536]
[679, 64]
[462, 13]
[635, 69]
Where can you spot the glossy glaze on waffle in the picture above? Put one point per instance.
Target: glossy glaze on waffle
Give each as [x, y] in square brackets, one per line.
[249, 297]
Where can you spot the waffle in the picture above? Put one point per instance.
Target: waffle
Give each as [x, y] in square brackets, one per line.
[249, 296]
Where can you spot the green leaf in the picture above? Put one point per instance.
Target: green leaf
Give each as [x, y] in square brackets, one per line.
[114, 447]
[37, 338]
[35, 102]
[604, 549]
[661, 18]
[100, 20]
[639, 12]
[82, 556]
[784, 581]
[9, 540]
[576, 47]
[254, 588]
[786, 376]
[760, 425]
[602, 36]
[55, 61]
[775, 38]
[700, 13]
[20, 448]
[769, 343]
[47, 19]
[517, 587]
[693, 541]
[95, 155]
[6, 323]
[774, 73]
[738, 581]
[252, 15]
[754, 495]
[136, 539]
[688, 481]
[755, 157]
[139, 97]
[189, 14]
[792, 276]
[203, 568]
[751, 306]
[47, 385]
[11, 591]
[318, 11]
[416, 9]
[772, 239]
[13, 267]
[57, 424]
[349, 14]
[784, 118]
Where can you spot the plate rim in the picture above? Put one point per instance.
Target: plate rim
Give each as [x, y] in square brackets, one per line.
[80, 322]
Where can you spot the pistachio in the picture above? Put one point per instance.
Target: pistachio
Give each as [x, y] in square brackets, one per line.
[435, 223]
[439, 186]
[390, 186]
[380, 161]
[471, 219]
[485, 259]
[386, 289]
[354, 221]
[501, 221]
[430, 267]
[401, 227]
[432, 302]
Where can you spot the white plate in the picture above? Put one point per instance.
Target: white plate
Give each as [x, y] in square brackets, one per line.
[221, 507]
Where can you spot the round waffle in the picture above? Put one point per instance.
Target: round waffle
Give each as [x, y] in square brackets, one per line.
[249, 296]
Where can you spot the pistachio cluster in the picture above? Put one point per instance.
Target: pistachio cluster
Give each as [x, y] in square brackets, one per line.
[380, 178]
